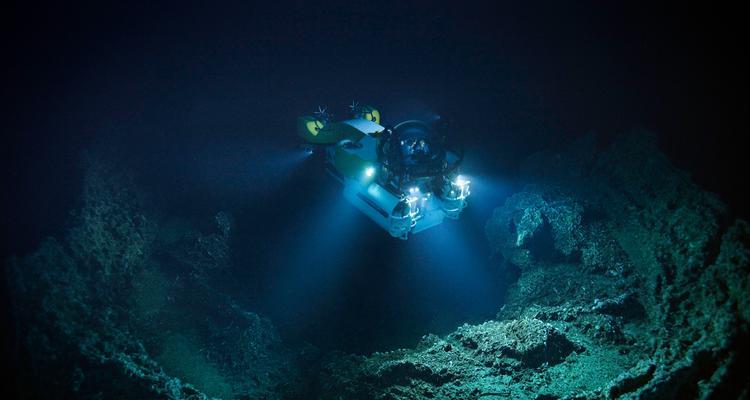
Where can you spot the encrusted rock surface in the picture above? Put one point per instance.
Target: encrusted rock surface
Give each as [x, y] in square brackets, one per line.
[124, 308]
[527, 213]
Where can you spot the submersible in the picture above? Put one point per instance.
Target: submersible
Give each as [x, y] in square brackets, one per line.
[406, 178]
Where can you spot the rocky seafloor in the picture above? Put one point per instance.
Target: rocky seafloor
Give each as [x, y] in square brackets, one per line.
[629, 281]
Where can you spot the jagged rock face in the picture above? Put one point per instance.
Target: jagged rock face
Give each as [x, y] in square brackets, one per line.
[121, 309]
[516, 344]
[451, 367]
[521, 219]
[659, 237]
[634, 279]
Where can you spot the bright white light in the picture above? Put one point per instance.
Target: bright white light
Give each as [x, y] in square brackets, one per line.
[460, 188]
[369, 172]
[413, 190]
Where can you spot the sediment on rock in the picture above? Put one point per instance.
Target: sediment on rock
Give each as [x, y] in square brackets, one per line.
[125, 306]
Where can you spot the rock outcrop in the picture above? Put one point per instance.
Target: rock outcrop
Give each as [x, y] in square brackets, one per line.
[124, 307]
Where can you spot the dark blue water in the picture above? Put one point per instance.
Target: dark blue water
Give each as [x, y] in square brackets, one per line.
[200, 102]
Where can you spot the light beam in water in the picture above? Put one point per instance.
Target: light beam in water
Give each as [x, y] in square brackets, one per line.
[310, 269]
[246, 169]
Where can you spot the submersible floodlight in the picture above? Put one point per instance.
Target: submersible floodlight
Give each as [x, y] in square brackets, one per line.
[413, 182]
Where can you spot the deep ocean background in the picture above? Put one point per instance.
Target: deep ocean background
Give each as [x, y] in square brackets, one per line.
[200, 102]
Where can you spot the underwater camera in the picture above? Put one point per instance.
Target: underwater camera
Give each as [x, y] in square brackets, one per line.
[405, 178]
